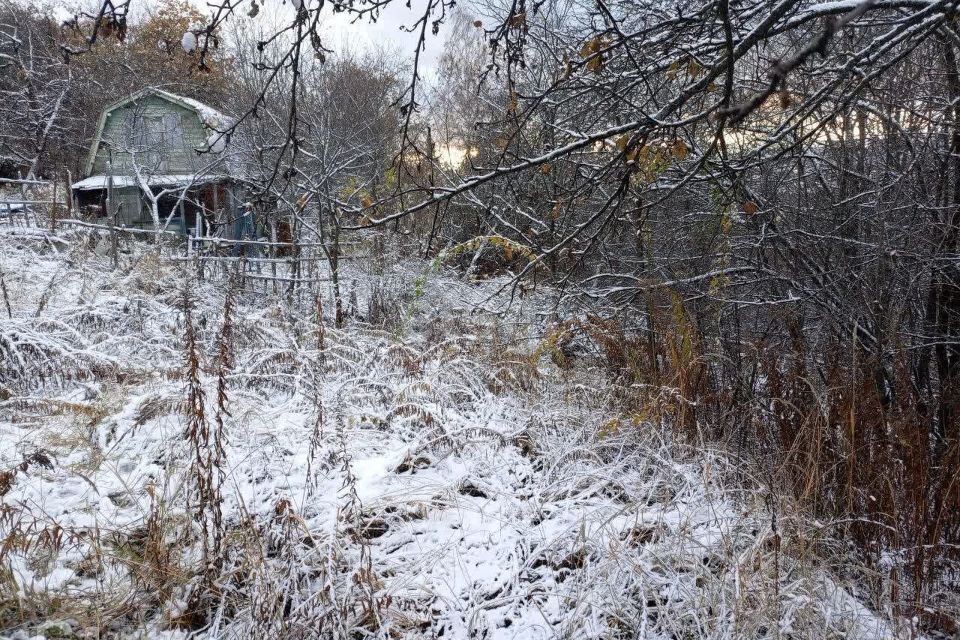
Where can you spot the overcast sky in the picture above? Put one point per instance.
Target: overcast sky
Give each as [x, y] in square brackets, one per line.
[388, 30]
[339, 30]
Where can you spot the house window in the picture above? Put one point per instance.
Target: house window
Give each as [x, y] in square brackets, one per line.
[155, 133]
[171, 132]
[152, 139]
[139, 132]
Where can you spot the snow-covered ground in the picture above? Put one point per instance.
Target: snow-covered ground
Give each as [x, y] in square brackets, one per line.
[430, 480]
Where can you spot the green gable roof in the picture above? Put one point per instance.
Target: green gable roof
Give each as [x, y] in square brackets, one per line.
[199, 132]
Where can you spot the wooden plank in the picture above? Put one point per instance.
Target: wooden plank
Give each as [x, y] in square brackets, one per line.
[251, 260]
[53, 207]
[266, 243]
[22, 181]
[255, 276]
[105, 227]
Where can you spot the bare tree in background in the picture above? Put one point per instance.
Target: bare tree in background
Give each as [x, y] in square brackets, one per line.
[34, 85]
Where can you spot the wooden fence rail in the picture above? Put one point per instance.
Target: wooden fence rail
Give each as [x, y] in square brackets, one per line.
[17, 208]
[266, 243]
[73, 222]
[24, 181]
[20, 212]
[248, 259]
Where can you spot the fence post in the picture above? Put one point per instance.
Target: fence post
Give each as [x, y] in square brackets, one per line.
[69, 195]
[53, 206]
[113, 237]
[23, 201]
[111, 214]
[273, 252]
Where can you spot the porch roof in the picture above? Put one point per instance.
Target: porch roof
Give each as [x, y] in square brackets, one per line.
[119, 182]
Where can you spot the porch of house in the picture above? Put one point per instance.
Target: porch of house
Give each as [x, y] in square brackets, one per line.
[200, 207]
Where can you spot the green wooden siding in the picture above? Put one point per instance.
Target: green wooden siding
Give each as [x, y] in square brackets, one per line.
[132, 211]
[159, 136]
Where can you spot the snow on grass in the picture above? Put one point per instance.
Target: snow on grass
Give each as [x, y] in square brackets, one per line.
[426, 481]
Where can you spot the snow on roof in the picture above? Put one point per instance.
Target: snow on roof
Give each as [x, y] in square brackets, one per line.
[101, 182]
[211, 118]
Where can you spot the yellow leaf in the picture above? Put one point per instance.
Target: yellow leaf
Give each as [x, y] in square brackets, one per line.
[517, 19]
[638, 153]
[679, 149]
[726, 224]
[609, 428]
[591, 49]
[366, 202]
[673, 69]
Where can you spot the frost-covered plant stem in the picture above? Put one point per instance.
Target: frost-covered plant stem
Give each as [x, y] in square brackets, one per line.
[316, 434]
[218, 452]
[352, 513]
[6, 296]
[204, 499]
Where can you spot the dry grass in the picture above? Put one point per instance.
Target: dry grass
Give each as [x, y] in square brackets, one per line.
[449, 477]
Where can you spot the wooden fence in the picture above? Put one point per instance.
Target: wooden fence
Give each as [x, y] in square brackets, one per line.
[34, 203]
[261, 263]
[264, 264]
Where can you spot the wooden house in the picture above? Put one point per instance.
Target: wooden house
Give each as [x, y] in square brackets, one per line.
[156, 153]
